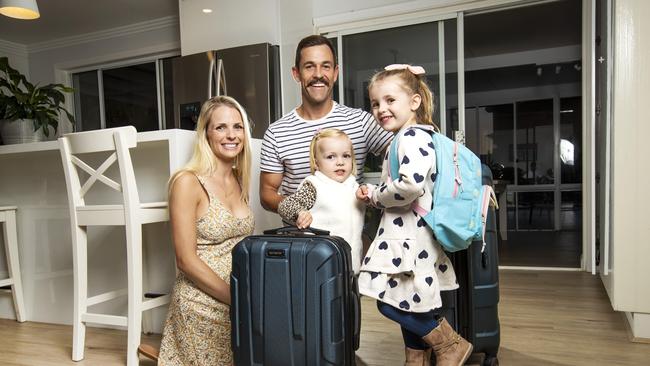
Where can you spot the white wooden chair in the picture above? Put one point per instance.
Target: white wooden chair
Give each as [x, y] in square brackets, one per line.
[130, 212]
[8, 222]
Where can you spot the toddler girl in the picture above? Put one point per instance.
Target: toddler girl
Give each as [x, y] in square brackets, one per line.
[405, 268]
[326, 199]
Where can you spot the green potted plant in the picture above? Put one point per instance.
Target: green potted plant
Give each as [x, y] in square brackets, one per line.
[25, 106]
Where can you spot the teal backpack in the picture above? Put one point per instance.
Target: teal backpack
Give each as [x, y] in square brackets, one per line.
[460, 200]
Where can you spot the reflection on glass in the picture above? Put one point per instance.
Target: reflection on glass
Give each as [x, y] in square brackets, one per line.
[168, 86]
[488, 133]
[335, 91]
[368, 52]
[130, 97]
[86, 101]
[566, 152]
[570, 133]
[451, 76]
[533, 154]
[571, 211]
[531, 211]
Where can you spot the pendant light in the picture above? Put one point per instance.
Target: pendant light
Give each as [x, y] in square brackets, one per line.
[20, 9]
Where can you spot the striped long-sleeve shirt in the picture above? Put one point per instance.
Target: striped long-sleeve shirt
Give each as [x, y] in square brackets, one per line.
[285, 148]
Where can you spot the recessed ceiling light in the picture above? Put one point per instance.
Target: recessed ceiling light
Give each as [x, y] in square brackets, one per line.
[207, 11]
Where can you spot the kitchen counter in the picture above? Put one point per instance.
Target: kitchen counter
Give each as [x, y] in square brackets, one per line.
[32, 179]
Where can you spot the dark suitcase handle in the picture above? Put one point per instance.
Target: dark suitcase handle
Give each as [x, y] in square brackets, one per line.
[295, 230]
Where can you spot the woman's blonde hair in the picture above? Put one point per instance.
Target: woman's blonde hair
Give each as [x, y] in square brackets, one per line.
[329, 132]
[204, 162]
[412, 84]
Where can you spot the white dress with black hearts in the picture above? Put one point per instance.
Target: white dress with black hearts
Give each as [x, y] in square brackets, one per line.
[405, 267]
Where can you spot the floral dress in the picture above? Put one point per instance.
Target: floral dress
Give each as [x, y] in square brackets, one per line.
[197, 329]
[405, 267]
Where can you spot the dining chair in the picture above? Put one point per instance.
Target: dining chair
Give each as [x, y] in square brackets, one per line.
[9, 233]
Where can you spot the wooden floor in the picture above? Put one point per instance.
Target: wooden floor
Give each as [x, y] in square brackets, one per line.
[547, 318]
[541, 249]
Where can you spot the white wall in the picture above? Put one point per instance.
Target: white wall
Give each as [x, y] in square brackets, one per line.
[295, 24]
[323, 8]
[73, 53]
[332, 7]
[231, 23]
[17, 55]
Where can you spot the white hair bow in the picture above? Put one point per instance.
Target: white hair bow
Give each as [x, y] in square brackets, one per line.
[417, 70]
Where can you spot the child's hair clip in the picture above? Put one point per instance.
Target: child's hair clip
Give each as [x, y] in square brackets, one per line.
[417, 70]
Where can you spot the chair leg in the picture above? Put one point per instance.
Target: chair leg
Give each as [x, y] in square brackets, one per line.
[147, 321]
[134, 264]
[80, 264]
[13, 262]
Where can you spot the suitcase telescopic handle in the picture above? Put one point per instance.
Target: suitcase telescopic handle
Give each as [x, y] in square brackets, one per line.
[294, 230]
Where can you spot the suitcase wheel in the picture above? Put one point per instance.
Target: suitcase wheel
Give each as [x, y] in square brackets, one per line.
[491, 361]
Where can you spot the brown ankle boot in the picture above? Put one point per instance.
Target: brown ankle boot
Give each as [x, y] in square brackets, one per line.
[418, 357]
[148, 351]
[450, 348]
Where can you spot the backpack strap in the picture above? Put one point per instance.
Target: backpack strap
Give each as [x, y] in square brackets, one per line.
[488, 197]
[458, 180]
[393, 163]
[393, 170]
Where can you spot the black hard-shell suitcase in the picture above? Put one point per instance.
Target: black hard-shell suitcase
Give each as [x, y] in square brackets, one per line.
[295, 300]
[472, 309]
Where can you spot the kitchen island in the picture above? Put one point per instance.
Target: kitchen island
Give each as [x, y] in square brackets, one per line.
[32, 179]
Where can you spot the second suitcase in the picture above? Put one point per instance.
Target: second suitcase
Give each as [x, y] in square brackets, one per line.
[294, 300]
[473, 309]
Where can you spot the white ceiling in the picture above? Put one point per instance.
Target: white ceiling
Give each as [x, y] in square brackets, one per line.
[64, 18]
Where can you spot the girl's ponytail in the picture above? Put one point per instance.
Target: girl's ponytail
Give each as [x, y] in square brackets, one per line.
[427, 106]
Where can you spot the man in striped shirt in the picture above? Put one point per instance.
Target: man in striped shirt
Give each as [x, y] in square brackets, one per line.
[285, 150]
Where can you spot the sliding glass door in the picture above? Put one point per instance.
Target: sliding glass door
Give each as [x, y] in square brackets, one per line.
[508, 84]
[361, 53]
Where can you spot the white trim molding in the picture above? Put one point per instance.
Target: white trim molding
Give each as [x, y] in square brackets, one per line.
[13, 48]
[130, 29]
[588, 137]
[638, 326]
[406, 11]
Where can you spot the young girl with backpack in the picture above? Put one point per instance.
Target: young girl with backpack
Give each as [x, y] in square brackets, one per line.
[405, 268]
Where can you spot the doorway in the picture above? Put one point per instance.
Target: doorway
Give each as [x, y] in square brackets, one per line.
[523, 118]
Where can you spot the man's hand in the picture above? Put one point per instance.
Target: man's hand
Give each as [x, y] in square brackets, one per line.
[304, 220]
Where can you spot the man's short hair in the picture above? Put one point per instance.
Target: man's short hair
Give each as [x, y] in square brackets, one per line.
[311, 41]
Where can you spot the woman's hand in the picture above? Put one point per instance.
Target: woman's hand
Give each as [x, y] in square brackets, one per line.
[225, 297]
[304, 220]
[184, 208]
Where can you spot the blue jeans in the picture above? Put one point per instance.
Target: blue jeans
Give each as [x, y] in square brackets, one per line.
[414, 325]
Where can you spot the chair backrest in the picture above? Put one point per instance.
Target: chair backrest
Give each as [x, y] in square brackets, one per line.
[116, 142]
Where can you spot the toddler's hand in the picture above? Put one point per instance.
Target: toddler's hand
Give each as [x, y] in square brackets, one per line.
[304, 220]
[362, 193]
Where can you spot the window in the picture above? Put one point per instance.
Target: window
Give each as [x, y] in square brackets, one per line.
[120, 96]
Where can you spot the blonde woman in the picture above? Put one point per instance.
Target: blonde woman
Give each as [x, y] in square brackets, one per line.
[209, 213]
[326, 199]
